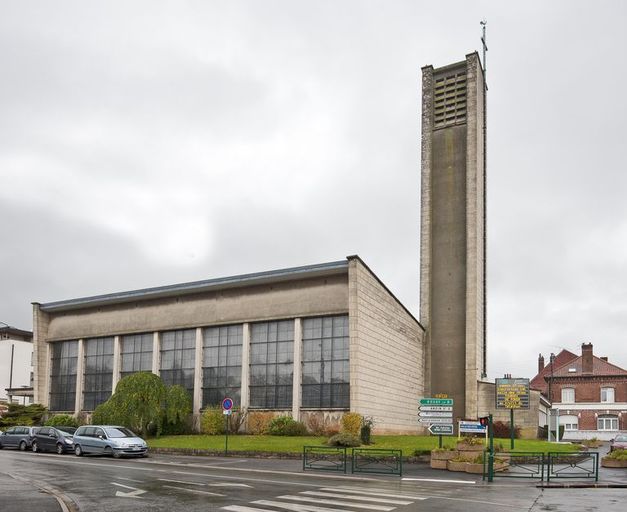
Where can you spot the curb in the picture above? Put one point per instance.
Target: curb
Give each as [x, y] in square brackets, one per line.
[256, 455]
[583, 485]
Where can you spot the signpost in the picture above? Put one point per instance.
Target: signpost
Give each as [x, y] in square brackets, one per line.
[512, 394]
[227, 406]
[438, 413]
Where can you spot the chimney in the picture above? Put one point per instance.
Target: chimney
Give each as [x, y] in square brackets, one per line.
[586, 358]
[604, 358]
[540, 363]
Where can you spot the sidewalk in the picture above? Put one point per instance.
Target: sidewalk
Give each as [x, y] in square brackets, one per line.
[18, 495]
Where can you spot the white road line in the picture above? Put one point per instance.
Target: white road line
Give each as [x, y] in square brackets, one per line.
[353, 497]
[130, 480]
[438, 480]
[371, 493]
[195, 491]
[297, 507]
[179, 481]
[239, 508]
[337, 503]
[125, 486]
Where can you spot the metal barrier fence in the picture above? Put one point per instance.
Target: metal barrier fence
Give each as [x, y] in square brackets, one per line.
[516, 465]
[532, 465]
[324, 458]
[387, 462]
[573, 465]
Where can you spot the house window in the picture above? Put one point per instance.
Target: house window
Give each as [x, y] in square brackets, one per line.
[178, 350]
[570, 422]
[98, 372]
[222, 364]
[136, 354]
[325, 362]
[271, 365]
[607, 422]
[607, 395]
[568, 395]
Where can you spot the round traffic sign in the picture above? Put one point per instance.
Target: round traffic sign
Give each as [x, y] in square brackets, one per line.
[227, 404]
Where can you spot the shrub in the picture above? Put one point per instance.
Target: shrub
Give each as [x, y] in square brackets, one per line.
[351, 423]
[344, 439]
[259, 422]
[315, 425]
[366, 430]
[62, 420]
[501, 429]
[26, 415]
[178, 407]
[286, 426]
[617, 455]
[212, 421]
[472, 441]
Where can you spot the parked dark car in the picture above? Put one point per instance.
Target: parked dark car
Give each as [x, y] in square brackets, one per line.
[18, 437]
[619, 442]
[54, 439]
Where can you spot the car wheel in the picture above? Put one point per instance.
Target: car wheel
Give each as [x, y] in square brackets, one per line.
[78, 451]
[23, 446]
[107, 451]
[60, 449]
[35, 447]
[117, 455]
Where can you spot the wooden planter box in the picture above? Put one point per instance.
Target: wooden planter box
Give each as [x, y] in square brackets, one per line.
[474, 468]
[438, 464]
[613, 463]
[472, 448]
[453, 465]
[444, 455]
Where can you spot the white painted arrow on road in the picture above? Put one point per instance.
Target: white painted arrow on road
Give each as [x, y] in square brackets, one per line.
[134, 493]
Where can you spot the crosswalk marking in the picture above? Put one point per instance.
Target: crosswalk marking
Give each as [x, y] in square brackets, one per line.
[354, 497]
[373, 492]
[365, 506]
[240, 508]
[297, 507]
[343, 499]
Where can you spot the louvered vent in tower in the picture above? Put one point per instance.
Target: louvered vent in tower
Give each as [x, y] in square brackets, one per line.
[450, 100]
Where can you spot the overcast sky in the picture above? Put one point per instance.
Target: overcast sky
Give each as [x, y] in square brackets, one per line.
[147, 143]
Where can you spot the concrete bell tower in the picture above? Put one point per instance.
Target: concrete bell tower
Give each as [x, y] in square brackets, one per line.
[452, 240]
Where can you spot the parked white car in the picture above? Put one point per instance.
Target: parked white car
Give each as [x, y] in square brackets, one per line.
[108, 440]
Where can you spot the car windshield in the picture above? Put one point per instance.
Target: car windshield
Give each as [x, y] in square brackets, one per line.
[67, 431]
[119, 432]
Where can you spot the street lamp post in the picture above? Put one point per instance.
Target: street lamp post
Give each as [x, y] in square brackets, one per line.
[552, 360]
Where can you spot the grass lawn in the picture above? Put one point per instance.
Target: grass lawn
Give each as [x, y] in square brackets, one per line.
[408, 444]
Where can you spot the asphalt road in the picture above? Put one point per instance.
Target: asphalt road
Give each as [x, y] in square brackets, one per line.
[189, 484]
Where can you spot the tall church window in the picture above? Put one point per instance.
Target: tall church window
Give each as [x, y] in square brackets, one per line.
[98, 372]
[271, 364]
[326, 363]
[178, 349]
[63, 375]
[222, 364]
[136, 354]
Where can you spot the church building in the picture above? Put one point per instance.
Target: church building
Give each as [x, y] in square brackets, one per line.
[313, 341]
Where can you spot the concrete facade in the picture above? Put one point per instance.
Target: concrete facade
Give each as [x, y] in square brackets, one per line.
[452, 274]
[384, 337]
[16, 365]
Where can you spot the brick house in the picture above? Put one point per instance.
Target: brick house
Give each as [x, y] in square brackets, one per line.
[589, 392]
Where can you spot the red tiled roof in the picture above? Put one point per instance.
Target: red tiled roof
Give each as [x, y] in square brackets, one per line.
[599, 367]
[538, 382]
